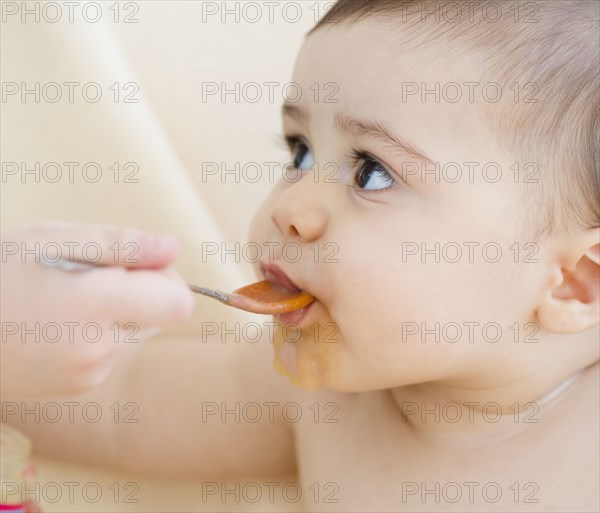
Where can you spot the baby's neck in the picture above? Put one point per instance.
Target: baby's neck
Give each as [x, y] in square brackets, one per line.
[476, 417]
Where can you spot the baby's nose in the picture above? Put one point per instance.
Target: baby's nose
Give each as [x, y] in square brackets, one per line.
[302, 210]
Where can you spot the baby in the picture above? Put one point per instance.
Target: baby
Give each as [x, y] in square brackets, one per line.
[445, 200]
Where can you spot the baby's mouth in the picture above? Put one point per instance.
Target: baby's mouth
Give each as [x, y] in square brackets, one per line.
[274, 274]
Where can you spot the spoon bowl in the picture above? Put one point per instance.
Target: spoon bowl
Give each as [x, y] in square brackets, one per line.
[262, 297]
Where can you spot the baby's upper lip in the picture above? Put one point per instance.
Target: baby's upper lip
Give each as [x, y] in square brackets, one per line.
[273, 273]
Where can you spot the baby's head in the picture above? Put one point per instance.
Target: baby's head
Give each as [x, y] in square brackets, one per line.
[447, 204]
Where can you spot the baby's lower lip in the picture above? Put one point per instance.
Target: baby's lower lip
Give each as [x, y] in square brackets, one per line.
[294, 317]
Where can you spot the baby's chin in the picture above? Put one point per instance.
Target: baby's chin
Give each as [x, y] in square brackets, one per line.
[312, 361]
[307, 354]
[311, 355]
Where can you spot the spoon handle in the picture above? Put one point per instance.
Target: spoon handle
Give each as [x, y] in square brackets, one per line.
[216, 294]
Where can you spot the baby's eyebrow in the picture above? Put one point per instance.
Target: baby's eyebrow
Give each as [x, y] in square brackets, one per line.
[378, 130]
[294, 112]
[358, 127]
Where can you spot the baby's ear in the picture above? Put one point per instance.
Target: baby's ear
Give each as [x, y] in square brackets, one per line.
[571, 303]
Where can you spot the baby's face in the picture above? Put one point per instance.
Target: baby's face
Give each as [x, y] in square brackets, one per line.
[405, 254]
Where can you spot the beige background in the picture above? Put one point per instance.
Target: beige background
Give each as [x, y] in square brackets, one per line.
[169, 134]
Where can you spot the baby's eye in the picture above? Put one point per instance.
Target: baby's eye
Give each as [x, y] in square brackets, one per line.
[371, 176]
[303, 158]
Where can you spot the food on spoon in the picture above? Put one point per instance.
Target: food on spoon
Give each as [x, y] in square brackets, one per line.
[262, 297]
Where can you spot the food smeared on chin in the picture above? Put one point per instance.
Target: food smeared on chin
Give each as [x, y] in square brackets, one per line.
[305, 355]
[302, 372]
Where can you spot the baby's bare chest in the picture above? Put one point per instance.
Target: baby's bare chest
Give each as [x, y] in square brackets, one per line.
[368, 461]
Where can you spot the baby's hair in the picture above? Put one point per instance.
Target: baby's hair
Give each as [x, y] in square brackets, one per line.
[550, 47]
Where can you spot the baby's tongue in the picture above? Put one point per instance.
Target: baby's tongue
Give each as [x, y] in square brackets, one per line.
[268, 298]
